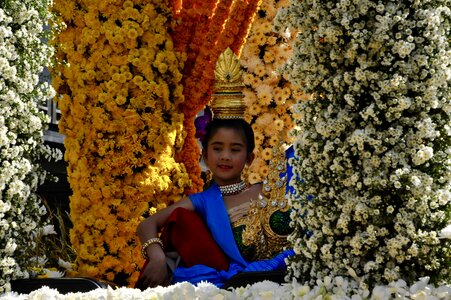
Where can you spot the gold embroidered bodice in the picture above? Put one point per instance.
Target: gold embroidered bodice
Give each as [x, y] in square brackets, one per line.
[261, 227]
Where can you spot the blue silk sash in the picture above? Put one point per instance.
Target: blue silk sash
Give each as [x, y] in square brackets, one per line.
[210, 205]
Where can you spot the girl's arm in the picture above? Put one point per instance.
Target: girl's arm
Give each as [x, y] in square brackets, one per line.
[155, 272]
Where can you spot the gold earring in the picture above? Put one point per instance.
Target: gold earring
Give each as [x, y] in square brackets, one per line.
[208, 176]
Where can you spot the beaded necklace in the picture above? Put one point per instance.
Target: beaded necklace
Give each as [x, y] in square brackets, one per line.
[232, 189]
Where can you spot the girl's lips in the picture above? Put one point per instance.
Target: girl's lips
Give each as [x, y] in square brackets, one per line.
[224, 167]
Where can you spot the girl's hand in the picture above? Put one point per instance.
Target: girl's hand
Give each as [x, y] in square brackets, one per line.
[155, 272]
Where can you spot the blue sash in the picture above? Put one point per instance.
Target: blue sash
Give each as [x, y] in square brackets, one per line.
[210, 205]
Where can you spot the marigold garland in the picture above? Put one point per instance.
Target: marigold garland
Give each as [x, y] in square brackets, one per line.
[239, 24]
[119, 87]
[199, 68]
[269, 96]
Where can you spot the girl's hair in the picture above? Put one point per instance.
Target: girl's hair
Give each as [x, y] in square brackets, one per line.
[238, 125]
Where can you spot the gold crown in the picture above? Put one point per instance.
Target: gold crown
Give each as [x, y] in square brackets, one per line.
[227, 100]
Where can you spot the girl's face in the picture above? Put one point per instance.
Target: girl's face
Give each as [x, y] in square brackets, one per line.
[226, 156]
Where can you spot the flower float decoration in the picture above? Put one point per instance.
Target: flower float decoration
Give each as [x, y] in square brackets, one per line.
[327, 288]
[375, 143]
[204, 30]
[118, 79]
[23, 56]
[269, 96]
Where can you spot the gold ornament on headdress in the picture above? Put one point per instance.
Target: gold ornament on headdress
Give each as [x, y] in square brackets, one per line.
[227, 101]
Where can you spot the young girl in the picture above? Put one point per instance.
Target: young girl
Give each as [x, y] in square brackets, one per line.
[228, 146]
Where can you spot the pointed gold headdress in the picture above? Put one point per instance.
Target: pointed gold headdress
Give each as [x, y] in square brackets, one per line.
[227, 100]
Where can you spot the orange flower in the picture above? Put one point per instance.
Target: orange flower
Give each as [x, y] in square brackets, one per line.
[213, 25]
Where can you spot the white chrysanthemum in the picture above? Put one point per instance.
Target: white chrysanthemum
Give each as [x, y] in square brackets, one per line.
[23, 56]
[374, 143]
[445, 233]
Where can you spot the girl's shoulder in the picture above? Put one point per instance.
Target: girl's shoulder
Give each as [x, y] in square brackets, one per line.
[256, 188]
[258, 185]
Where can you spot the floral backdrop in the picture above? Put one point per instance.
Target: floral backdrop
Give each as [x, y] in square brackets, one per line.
[118, 82]
[203, 31]
[373, 137]
[24, 54]
[375, 142]
[128, 94]
[269, 96]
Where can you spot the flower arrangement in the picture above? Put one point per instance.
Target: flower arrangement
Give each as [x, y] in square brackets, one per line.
[23, 56]
[204, 30]
[328, 288]
[119, 88]
[268, 94]
[375, 144]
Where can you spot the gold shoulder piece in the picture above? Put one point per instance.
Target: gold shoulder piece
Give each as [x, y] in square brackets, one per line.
[227, 101]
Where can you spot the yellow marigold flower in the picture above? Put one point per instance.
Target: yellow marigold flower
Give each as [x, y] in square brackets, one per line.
[110, 276]
[254, 178]
[249, 97]
[161, 206]
[152, 210]
[279, 99]
[264, 171]
[255, 109]
[264, 120]
[278, 124]
[127, 3]
[258, 137]
[116, 77]
[120, 100]
[103, 97]
[137, 79]
[260, 70]
[255, 81]
[100, 224]
[247, 78]
[286, 92]
[138, 102]
[264, 93]
[273, 140]
[128, 76]
[266, 153]
[133, 13]
[272, 40]
[118, 60]
[162, 68]
[258, 162]
[266, 27]
[122, 78]
[132, 34]
[287, 119]
[109, 262]
[282, 109]
[268, 57]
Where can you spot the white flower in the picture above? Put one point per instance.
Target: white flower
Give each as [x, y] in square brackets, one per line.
[374, 139]
[10, 247]
[49, 273]
[422, 155]
[23, 55]
[64, 264]
[48, 229]
[445, 233]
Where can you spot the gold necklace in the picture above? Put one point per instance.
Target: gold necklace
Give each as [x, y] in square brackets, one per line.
[232, 189]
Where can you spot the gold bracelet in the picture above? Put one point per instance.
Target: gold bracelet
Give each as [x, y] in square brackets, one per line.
[148, 243]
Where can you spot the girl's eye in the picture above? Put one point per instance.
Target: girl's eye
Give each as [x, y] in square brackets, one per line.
[236, 150]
